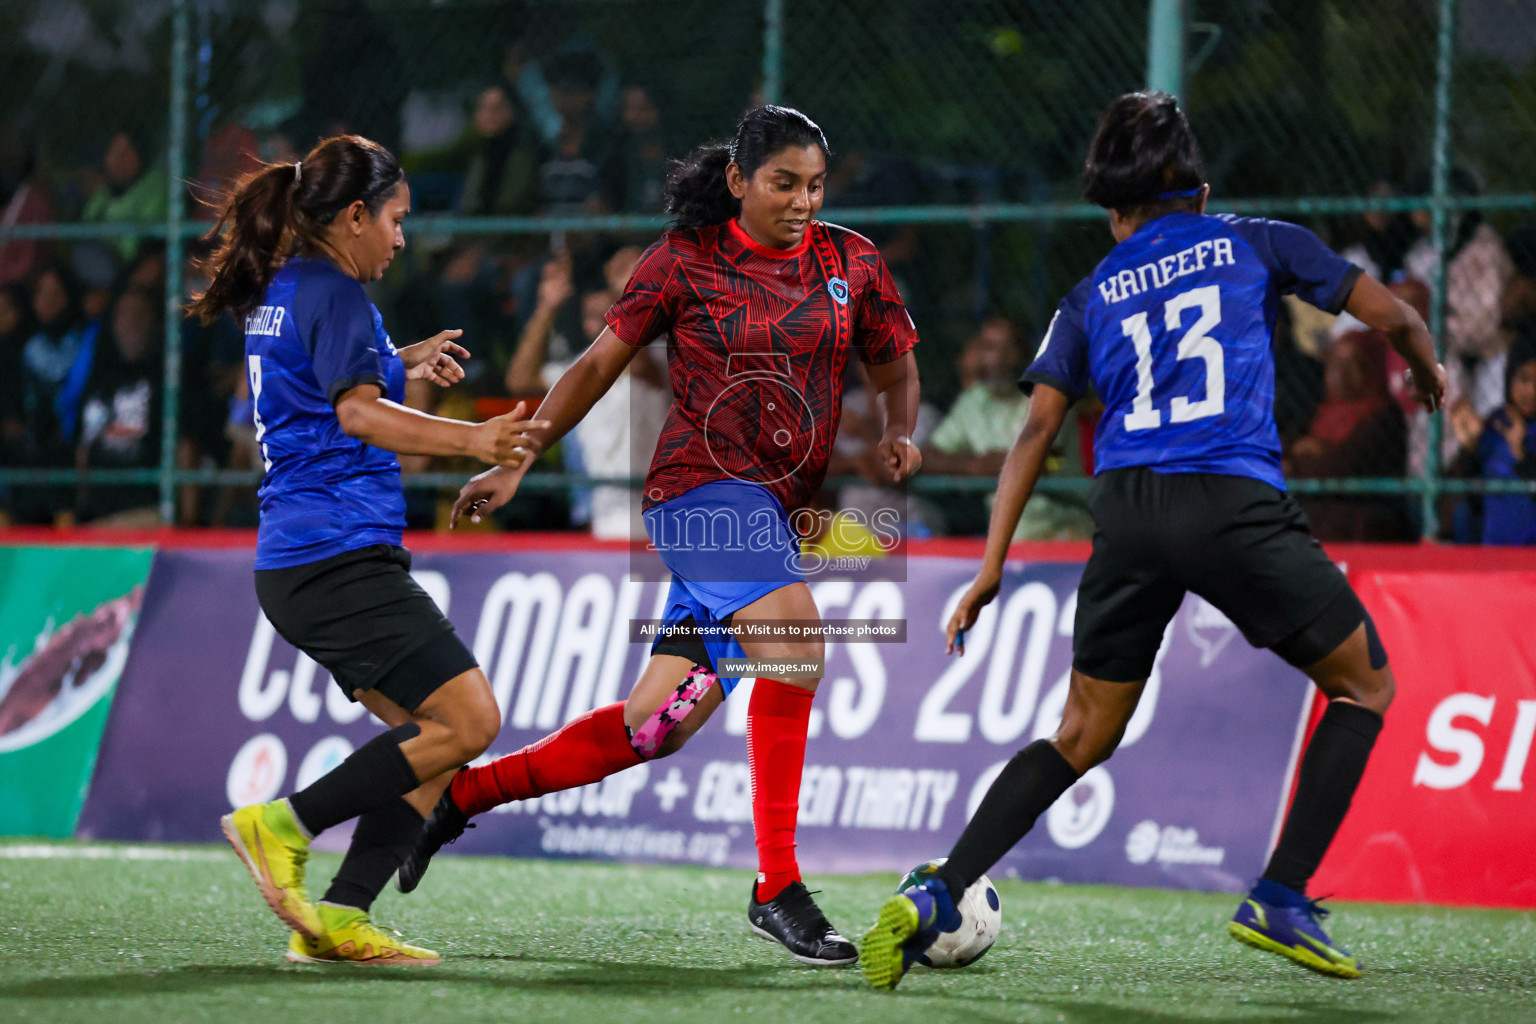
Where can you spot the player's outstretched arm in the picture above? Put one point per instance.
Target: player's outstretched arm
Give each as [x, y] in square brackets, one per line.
[579, 387]
[1371, 303]
[367, 415]
[572, 397]
[1021, 470]
[897, 396]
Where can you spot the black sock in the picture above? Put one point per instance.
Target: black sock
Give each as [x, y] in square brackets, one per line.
[1028, 785]
[1330, 772]
[385, 836]
[376, 773]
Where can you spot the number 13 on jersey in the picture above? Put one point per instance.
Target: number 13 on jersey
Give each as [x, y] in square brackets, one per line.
[1195, 344]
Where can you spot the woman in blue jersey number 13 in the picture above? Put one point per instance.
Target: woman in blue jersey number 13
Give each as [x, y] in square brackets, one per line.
[1174, 331]
[762, 306]
[331, 573]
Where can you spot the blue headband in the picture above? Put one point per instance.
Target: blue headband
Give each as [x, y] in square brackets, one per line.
[1188, 193]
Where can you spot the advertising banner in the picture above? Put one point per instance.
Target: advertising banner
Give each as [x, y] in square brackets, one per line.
[1446, 812]
[67, 616]
[219, 712]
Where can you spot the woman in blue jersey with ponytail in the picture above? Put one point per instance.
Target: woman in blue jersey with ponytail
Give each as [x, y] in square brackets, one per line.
[1174, 331]
[331, 574]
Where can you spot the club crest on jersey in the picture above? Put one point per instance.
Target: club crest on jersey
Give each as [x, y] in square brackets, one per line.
[838, 288]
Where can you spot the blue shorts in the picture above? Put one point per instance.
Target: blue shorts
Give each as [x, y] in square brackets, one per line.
[727, 543]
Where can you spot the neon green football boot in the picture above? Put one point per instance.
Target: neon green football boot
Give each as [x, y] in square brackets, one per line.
[909, 923]
[268, 839]
[351, 938]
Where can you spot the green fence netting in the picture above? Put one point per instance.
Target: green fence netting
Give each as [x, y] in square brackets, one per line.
[1402, 131]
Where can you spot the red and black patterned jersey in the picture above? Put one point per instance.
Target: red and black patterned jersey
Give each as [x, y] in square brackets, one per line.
[757, 347]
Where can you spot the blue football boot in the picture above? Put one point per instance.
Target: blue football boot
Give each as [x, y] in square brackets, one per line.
[1278, 919]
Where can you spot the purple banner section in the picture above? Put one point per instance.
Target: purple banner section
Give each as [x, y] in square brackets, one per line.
[215, 711]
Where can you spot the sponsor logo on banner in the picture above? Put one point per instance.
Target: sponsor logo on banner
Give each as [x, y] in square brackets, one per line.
[1082, 812]
[1209, 629]
[1169, 845]
[68, 671]
[257, 771]
[1454, 751]
[1141, 844]
[322, 757]
[67, 620]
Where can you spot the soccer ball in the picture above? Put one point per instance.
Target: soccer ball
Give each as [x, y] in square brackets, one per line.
[981, 917]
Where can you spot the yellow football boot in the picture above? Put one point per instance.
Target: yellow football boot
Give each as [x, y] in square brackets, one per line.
[351, 938]
[268, 839]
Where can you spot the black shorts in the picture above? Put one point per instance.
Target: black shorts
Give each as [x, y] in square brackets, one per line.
[1237, 542]
[688, 644]
[361, 616]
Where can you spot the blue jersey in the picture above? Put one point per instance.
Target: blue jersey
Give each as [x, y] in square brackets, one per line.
[315, 335]
[1174, 332]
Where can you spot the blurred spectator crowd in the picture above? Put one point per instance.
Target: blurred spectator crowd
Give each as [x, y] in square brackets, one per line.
[557, 134]
[1343, 400]
[559, 130]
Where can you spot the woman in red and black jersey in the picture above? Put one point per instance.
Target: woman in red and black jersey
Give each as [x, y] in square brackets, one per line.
[761, 305]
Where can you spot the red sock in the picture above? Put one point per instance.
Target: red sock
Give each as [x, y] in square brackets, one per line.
[777, 719]
[583, 751]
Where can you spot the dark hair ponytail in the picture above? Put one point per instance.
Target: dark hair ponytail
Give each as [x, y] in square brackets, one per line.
[696, 192]
[1143, 156]
[283, 207]
[697, 195]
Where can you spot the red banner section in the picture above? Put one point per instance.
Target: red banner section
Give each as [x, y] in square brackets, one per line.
[1447, 810]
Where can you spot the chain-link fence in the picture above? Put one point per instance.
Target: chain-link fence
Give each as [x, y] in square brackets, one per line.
[536, 133]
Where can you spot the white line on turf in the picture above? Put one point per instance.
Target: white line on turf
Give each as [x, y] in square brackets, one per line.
[41, 851]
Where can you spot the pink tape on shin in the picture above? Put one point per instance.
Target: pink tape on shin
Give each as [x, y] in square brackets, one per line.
[648, 739]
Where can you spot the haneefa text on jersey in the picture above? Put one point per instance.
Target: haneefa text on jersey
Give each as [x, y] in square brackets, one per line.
[1215, 252]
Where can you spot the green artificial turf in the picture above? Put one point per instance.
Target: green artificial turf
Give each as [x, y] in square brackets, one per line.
[119, 941]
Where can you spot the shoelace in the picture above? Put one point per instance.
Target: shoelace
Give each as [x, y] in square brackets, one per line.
[459, 834]
[387, 933]
[802, 911]
[382, 938]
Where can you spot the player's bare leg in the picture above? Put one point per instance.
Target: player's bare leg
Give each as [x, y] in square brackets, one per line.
[1278, 916]
[1094, 719]
[424, 797]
